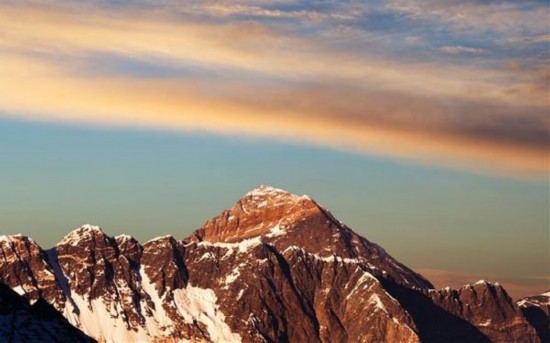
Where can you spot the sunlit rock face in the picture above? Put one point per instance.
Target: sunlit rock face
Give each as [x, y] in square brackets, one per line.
[274, 267]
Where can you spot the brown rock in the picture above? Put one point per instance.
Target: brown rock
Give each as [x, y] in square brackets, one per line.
[537, 311]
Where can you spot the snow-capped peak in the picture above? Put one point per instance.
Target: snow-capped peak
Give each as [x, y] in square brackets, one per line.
[124, 237]
[479, 283]
[256, 214]
[160, 238]
[10, 238]
[265, 197]
[85, 230]
[89, 227]
[265, 191]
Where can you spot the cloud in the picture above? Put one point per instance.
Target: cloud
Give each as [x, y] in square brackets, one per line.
[459, 49]
[224, 9]
[257, 79]
[524, 40]
[498, 16]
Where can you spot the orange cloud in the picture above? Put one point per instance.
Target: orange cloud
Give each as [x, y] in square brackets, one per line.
[435, 114]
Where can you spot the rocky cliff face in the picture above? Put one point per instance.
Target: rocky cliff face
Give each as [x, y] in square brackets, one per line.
[537, 311]
[40, 322]
[274, 267]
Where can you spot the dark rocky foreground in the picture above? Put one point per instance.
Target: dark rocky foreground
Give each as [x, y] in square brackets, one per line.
[39, 322]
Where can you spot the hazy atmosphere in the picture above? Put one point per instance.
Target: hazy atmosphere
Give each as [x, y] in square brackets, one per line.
[422, 125]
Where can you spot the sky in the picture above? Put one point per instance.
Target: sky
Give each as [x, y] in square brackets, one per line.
[424, 125]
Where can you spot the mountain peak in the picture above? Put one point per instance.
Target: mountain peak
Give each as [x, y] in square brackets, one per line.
[86, 230]
[267, 195]
[90, 228]
[17, 239]
[9, 238]
[124, 238]
[160, 239]
[260, 211]
[263, 199]
[266, 190]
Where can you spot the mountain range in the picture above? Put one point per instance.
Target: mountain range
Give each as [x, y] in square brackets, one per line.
[275, 267]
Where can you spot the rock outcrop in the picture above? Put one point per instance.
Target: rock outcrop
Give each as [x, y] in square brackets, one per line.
[537, 311]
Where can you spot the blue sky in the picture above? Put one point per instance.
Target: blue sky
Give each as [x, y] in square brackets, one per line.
[422, 124]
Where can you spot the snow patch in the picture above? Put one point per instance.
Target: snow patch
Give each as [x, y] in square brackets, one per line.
[485, 323]
[124, 237]
[101, 321]
[362, 281]
[377, 302]
[538, 300]
[331, 258]
[199, 304]
[276, 231]
[242, 246]
[10, 238]
[264, 190]
[522, 302]
[160, 320]
[235, 273]
[74, 237]
[206, 256]
[159, 238]
[192, 304]
[20, 290]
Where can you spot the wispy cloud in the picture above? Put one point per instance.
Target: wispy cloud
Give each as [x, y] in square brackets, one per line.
[525, 40]
[459, 49]
[270, 79]
[496, 16]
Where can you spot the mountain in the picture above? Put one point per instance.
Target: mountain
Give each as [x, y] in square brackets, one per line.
[537, 310]
[275, 267]
[40, 322]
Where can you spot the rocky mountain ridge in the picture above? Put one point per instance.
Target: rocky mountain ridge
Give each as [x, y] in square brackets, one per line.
[537, 309]
[274, 267]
